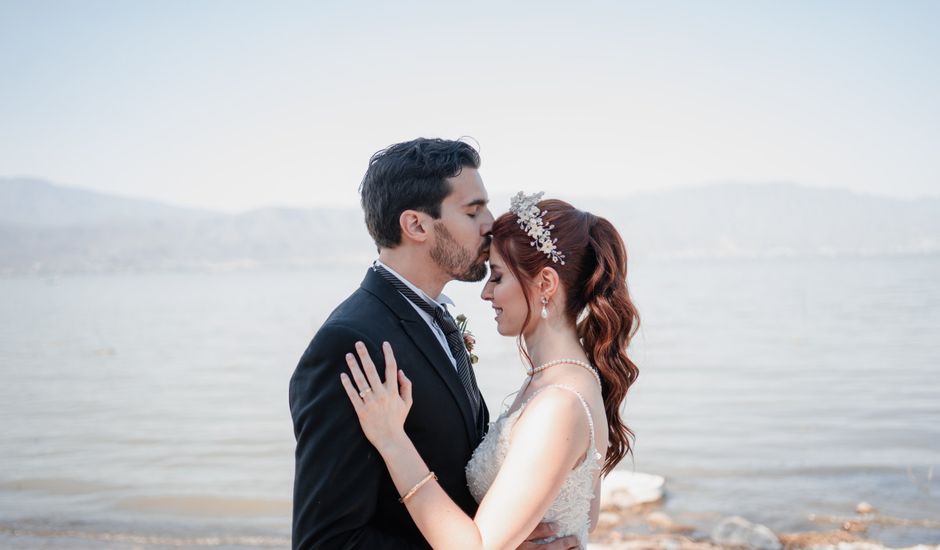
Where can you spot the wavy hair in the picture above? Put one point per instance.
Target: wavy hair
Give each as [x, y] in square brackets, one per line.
[598, 302]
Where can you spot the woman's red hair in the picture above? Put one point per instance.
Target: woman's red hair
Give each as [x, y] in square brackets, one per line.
[598, 303]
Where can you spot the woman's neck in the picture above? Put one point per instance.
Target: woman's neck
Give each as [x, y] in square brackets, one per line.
[551, 340]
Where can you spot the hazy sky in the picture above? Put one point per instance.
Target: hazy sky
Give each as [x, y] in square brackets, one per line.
[233, 105]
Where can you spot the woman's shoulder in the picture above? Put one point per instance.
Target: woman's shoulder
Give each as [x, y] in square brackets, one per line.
[555, 408]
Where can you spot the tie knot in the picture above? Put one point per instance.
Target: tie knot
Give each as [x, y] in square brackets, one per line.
[444, 319]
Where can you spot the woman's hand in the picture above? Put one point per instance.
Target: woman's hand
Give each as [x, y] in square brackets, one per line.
[381, 408]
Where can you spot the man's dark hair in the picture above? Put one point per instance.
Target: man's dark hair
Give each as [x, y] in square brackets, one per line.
[410, 176]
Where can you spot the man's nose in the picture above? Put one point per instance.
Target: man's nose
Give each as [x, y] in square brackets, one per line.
[488, 220]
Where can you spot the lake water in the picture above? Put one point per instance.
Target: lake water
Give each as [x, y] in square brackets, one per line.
[151, 409]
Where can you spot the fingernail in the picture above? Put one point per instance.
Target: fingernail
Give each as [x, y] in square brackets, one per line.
[360, 345]
[349, 356]
[385, 345]
[403, 375]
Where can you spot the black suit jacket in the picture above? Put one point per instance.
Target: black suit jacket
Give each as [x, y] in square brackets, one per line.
[343, 494]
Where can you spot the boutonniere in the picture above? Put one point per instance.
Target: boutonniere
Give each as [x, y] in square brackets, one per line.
[468, 339]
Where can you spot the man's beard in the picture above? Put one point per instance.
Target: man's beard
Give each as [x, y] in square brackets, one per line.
[456, 260]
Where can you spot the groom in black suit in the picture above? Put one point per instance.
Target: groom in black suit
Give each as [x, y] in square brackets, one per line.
[426, 208]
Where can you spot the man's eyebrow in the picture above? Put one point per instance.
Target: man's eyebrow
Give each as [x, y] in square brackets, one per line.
[477, 202]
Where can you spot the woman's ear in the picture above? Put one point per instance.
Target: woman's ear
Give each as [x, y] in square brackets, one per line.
[548, 282]
[415, 226]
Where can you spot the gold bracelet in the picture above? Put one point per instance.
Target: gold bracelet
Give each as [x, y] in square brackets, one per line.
[409, 494]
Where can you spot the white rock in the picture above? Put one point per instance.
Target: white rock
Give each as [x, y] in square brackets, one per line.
[621, 489]
[608, 520]
[737, 531]
[864, 508]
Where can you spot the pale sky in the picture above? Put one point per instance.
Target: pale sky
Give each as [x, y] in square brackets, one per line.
[236, 105]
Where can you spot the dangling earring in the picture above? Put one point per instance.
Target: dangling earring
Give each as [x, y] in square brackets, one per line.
[544, 309]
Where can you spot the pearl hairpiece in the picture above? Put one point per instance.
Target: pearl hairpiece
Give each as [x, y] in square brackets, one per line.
[525, 207]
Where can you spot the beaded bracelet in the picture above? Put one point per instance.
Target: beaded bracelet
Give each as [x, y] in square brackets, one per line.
[409, 494]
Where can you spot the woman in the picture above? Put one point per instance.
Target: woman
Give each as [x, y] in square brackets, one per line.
[558, 283]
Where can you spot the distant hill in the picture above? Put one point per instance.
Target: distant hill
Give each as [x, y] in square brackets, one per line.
[772, 219]
[38, 203]
[45, 228]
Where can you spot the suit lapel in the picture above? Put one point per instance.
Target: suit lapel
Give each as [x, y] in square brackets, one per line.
[425, 340]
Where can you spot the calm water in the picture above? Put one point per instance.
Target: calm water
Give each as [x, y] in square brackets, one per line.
[151, 409]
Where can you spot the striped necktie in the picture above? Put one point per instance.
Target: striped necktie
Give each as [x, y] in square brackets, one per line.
[451, 332]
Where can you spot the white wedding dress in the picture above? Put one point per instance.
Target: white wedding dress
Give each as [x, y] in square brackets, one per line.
[571, 509]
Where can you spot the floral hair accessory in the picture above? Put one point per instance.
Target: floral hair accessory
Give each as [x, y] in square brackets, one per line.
[525, 207]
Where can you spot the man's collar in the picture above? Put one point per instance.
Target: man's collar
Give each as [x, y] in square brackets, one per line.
[443, 299]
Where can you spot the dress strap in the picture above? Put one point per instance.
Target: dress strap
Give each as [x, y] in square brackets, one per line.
[587, 409]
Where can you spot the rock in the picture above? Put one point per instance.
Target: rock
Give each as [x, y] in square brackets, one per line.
[659, 520]
[855, 526]
[865, 508]
[621, 489]
[653, 542]
[860, 545]
[608, 520]
[816, 539]
[866, 545]
[737, 531]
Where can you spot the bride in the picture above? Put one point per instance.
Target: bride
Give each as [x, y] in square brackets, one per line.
[558, 283]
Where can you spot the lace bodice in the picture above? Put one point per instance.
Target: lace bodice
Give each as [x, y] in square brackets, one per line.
[571, 509]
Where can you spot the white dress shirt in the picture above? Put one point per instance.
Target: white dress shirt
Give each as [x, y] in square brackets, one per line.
[442, 300]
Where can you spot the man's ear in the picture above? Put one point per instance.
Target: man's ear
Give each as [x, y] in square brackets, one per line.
[415, 225]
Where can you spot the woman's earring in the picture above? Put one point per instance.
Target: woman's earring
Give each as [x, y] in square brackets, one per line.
[544, 308]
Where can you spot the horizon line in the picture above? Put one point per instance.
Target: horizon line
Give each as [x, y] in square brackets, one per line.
[334, 206]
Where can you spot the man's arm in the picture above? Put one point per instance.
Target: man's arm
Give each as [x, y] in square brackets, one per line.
[338, 471]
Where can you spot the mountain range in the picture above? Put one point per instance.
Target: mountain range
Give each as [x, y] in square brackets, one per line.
[48, 229]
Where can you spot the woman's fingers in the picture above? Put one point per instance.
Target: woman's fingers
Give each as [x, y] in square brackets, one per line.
[361, 382]
[369, 367]
[405, 390]
[391, 378]
[351, 392]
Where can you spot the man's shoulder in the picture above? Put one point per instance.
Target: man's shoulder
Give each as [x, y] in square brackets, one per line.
[362, 313]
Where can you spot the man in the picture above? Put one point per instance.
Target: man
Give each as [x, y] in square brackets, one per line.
[426, 209]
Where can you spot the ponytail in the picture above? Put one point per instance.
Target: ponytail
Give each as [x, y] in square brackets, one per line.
[609, 322]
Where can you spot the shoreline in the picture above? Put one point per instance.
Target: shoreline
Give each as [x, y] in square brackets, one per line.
[640, 526]
[632, 517]
[635, 514]
[647, 526]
